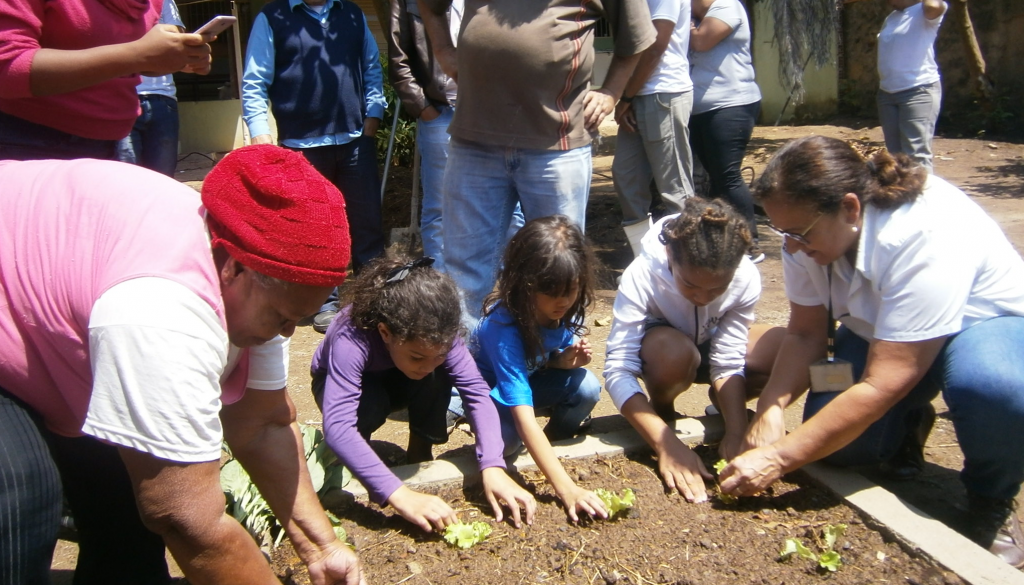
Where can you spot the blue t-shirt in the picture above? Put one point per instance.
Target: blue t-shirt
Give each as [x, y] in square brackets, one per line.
[502, 359]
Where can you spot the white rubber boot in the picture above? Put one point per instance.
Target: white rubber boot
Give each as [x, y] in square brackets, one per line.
[636, 232]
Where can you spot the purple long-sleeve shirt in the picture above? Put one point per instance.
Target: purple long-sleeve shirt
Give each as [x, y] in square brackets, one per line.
[344, 354]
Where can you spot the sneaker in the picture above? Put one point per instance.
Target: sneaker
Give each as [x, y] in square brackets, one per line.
[755, 254]
[995, 527]
[908, 462]
[323, 320]
[453, 420]
[710, 410]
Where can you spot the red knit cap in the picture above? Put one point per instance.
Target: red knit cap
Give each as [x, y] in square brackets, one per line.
[274, 213]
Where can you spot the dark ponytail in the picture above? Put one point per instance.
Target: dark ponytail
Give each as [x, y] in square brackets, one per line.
[818, 171]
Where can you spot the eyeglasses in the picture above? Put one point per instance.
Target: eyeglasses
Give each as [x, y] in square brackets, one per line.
[796, 237]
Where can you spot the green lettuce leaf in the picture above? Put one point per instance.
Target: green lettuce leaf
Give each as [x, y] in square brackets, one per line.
[830, 560]
[795, 547]
[616, 503]
[466, 535]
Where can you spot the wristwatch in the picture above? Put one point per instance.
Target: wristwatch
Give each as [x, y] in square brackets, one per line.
[627, 100]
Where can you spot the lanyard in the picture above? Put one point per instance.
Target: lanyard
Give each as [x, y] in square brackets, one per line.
[831, 352]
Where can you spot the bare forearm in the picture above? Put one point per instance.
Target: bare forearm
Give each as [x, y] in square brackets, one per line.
[56, 71]
[621, 73]
[731, 393]
[638, 411]
[544, 455]
[791, 374]
[222, 554]
[275, 460]
[835, 426]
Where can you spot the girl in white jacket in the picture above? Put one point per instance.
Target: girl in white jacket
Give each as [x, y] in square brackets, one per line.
[683, 314]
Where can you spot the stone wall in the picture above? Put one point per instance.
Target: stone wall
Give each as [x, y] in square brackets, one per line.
[999, 25]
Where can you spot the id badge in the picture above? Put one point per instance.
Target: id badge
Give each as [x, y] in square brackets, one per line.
[834, 376]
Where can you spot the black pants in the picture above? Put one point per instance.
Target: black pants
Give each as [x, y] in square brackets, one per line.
[24, 140]
[114, 546]
[719, 139]
[391, 390]
[352, 168]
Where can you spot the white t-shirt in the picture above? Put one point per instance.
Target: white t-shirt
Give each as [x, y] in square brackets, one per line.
[648, 290]
[724, 76]
[906, 49]
[159, 353]
[924, 270]
[672, 75]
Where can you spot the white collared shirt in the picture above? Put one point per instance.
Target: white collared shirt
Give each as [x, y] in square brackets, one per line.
[924, 270]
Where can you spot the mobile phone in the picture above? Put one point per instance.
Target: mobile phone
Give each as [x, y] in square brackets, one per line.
[217, 25]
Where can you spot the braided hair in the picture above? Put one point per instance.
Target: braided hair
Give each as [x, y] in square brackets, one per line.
[708, 234]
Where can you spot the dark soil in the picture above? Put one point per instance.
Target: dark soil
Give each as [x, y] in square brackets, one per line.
[663, 540]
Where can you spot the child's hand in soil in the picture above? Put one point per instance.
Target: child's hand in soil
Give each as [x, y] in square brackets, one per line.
[577, 499]
[575, 356]
[338, 565]
[500, 489]
[424, 510]
[683, 471]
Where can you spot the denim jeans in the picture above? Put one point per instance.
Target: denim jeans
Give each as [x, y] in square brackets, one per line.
[981, 377]
[719, 139]
[482, 185]
[352, 168]
[432, 140]
[570, 394]
[908, 120]
[658, 150]
[24, 140]
[153, 142]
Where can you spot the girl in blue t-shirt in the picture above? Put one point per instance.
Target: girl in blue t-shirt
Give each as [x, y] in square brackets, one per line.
[530, 349]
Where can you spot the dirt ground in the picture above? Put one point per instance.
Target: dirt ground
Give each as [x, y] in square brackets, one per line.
[991, 172]
[662, 540]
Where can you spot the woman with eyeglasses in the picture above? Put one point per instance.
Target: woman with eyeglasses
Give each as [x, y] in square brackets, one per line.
[930, 297]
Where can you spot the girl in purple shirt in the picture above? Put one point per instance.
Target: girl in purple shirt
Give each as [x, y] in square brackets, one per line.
[396, 345]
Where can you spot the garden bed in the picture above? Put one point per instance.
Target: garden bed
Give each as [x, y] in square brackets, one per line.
[663, 540]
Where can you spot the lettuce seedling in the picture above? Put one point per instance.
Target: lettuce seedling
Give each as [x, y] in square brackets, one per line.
[727, 499]
[829, 558]
[616, 503]
[466, 535]
[795, 547]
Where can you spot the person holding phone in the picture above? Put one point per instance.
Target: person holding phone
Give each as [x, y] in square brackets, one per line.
[68, 72]
[930, 294]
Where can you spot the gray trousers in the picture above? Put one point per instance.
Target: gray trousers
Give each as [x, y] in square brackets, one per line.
[660, 149]
[908, 120]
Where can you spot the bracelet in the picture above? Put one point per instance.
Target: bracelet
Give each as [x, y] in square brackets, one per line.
[626, 100]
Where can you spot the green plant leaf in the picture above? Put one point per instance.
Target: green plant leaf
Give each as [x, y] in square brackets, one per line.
[794, 547]
[233, 479]
[833, 532]
[338, 476]
[339, 531]
[830, 560]
[720, 465]
[616, 503]
[466, 535]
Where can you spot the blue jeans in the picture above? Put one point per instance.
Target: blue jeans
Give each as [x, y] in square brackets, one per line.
[432, 141]
[981, 377]
[908, 120]
[482, 186]
[570, 394]
[153, 142]
[24, 140]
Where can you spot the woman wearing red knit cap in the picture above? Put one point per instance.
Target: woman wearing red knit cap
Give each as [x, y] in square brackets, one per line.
[125, 408]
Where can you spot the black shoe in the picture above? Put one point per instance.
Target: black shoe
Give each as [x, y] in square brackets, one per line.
[323, 320]
[67, 530]
[994, 525]
[908, 462]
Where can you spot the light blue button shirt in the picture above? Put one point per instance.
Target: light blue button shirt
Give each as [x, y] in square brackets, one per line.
[259, 74]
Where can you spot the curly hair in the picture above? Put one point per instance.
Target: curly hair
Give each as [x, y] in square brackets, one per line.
[818, 171]
[423, 306]
[708, 234]
[548, 255]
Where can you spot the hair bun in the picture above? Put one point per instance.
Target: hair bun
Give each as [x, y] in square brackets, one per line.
[714, 217]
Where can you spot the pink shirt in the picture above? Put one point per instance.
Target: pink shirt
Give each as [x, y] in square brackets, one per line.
[105, 111]
[70, 230]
